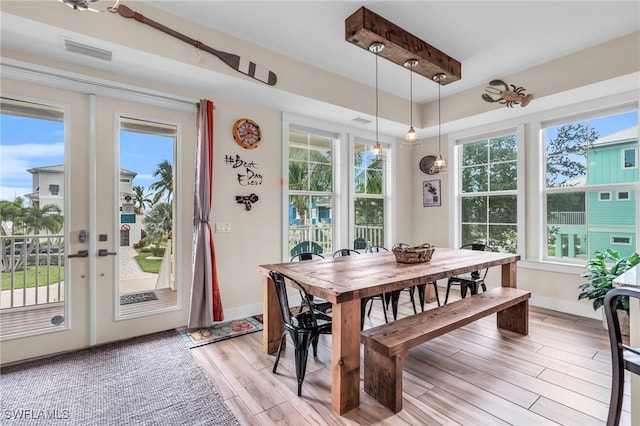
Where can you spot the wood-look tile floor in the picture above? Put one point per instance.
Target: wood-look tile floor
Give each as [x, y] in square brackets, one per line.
[559, 374]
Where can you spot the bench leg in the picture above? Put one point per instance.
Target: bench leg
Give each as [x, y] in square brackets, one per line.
[383, 378]
[515, 318]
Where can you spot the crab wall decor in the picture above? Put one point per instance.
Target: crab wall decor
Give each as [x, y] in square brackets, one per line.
[506, 96]
[247, 200]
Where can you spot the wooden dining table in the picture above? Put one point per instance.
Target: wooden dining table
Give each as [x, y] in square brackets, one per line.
[345, 280]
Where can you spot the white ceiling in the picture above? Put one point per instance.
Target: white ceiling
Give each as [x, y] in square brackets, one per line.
[490, 39]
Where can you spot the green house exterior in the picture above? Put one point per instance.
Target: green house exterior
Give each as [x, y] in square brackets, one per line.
[610, 217]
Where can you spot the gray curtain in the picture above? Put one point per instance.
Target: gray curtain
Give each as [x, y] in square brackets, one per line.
[206, 306]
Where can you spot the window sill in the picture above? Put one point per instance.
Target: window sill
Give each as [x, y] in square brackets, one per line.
[563, 268]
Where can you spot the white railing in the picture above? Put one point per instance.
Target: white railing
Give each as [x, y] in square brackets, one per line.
[32, 269]
[322, 235]
[566, 218]
[372, 234]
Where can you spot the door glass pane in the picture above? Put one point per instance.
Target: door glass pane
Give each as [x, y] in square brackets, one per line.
[32, 216]
[146, 214]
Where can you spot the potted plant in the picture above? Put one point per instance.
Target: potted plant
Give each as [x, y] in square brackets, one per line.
[601, 277]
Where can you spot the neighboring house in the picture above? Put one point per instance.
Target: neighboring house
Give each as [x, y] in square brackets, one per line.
[608, 219]
[48, 188]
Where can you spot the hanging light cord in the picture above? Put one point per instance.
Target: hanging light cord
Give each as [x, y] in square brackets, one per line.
[439, 121]
[411, 95]
[377, 141]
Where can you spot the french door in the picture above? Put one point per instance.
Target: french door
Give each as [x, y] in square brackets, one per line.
[124, 246]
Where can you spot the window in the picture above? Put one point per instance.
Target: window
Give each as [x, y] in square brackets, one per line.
[54, 189]
[310, 205]
[582, 172]
[337, 194]
[620, 240]
[623, 195]
[630, 158]
[604, 196]
[368, 197]
[488, 195]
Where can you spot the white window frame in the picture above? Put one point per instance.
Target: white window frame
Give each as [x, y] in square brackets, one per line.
[635, 158]
[343, 175]
[606, 199]
[617, 243]
[626, 198]
[455, 142]
[611, 105]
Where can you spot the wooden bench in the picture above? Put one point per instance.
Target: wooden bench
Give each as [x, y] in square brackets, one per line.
[386, 346]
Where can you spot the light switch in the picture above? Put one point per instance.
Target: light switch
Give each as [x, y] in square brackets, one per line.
[223, 227]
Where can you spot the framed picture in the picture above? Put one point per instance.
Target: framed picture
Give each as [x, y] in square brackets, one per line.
[431, 193]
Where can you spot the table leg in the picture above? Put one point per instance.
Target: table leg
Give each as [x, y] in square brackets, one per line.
[509, 275]
[345, 356]
[272, 322]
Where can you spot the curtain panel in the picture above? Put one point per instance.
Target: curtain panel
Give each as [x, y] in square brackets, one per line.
[206, 305]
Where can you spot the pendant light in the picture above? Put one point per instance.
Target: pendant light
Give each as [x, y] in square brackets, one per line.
[376, 48]
[440, 163]
[411, 139]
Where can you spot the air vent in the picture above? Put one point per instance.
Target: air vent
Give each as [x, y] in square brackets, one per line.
[86, 50]
[360, 120]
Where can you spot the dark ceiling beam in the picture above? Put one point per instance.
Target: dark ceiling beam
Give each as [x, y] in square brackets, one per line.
[364, 27]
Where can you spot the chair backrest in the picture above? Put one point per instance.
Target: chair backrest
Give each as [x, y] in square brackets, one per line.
[306, 256]
[307, 247]
[623, 357]
[360, 244]
[478, 247]
[345, 252]
[376, 249]
[279, 280]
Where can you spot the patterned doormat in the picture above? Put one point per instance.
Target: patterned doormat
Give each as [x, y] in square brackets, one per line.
[225, 330]
[127, 299]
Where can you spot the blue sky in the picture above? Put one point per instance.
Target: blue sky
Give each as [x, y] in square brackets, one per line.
[27, 143]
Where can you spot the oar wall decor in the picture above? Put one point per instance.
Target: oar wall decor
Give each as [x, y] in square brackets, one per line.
[234, 61]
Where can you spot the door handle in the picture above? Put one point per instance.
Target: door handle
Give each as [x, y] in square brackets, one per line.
[105, 252]
[80, 253]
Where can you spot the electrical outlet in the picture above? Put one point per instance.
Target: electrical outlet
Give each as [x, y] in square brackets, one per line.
[223, 227]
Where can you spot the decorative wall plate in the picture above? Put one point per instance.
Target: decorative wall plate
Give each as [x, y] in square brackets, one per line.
[247, 133]
[426, 165]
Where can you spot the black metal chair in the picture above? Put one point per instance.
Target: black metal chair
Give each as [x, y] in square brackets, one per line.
[364, 300]
[345, 252]
[472, 281]
[304, 327]
[623, 357]
[360, 244]
[307, 247]
[395, 296]
[321, 304]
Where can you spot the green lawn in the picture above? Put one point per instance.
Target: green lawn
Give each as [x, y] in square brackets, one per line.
[56, 273]
[148, 265]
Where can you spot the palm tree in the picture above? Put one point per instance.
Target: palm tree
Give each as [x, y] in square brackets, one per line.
[140, 200]
[164, 184]
[158, 223]
[46, 218]
[309, 170]
[12, 211]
